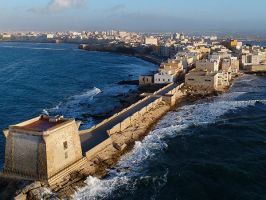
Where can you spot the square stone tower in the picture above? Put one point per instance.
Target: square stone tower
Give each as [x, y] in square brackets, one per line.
[40, 148]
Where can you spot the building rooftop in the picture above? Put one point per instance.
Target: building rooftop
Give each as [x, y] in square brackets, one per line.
[201, 73]
[41, 123]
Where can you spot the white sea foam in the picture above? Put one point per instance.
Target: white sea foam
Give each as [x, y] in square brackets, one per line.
[131, 166]
[72, 106]
[45, 193]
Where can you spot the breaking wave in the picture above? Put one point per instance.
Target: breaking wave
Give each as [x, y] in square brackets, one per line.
[130, 170]
[74, 105]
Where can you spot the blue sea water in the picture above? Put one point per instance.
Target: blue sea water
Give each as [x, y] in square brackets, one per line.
[211, 149]
[260, 43]
[61, 79]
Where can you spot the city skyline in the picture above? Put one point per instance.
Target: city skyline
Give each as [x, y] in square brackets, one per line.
[146, 16]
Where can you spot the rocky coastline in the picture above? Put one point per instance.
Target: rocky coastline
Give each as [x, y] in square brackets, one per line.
[143, 53]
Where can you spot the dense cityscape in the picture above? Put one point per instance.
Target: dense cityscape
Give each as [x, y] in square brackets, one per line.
[217, 60]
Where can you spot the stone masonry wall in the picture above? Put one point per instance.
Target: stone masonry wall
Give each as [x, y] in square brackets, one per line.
[59, 157]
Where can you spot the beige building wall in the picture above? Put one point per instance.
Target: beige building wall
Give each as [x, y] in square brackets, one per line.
[202, 81]
[226, 65]
[257, 68]
[204, 50]
[25, 153]
[223, 80]
[235, 66]
[146, 79]
[204, 65]
[62, 149]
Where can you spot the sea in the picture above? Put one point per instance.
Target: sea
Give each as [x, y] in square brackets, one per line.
[209, 149]
[252, 42]
[60, 79]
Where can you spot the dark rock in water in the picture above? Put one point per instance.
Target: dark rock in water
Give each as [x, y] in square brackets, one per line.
[128, 82]
[9, 187]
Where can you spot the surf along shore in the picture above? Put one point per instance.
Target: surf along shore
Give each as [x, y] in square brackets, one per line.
[103, 158]
[10, 188]
[99, 160]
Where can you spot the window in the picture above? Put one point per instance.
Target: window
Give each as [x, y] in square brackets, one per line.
[65, 145]
[208, 80]
[191, 79]
[66, 155]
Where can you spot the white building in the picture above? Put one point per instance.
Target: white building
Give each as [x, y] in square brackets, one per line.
[214, 58]
[49, 36]
[213, 38]
[151, 41]
[164, 76]
[6, 36]
[123, 34]
[206, 65]
[176, 36]
[250, 59]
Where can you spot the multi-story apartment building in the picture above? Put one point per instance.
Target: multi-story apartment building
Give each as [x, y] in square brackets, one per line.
[165, 76]
[202, 81]
[250, 59]
[206, 65]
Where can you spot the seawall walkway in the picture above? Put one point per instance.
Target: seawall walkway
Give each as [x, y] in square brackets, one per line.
[92, 137]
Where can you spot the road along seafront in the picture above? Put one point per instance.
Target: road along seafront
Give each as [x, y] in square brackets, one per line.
[105, 143]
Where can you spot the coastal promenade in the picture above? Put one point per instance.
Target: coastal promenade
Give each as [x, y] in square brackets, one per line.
[92, 137]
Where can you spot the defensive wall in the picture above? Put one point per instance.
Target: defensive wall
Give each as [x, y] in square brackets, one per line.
[169, 97]
[128, 108]
[169, 94]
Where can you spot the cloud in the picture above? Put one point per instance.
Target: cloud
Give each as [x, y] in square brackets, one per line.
[60, 5]
[57, 5]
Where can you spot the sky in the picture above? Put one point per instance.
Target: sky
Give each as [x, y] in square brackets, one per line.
[133, 15]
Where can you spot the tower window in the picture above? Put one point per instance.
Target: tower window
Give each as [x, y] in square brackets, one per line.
[65, 145]
[66, 155]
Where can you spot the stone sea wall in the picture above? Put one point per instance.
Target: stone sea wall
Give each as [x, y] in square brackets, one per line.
[106, 154]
